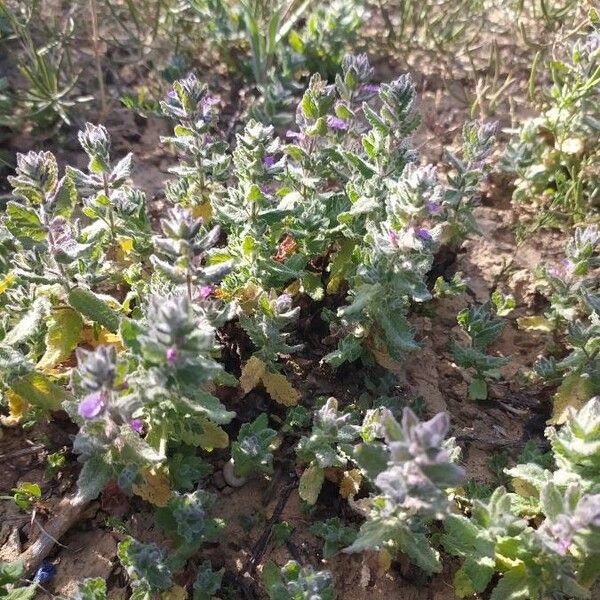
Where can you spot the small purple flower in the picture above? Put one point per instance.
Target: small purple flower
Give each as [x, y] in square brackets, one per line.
[268, 161]
[336, 123]
[92, 405]
[423, 234]
[370, 88]
[172, 355]
[265, 190]
[563, 546]
[295, 135]
[433, 207]
[562, 271]
[172, 94]
[209, 101]
[205, 291]
[137, 425]
[283, 303]
[393, 237]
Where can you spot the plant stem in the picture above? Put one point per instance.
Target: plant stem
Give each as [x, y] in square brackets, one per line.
[109, 210]
[99, 74]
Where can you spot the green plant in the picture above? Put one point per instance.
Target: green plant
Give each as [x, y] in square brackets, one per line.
[555, 155]
[412, 469]
[483, 328]
[293, 582]
[25, 495]
[251, 453]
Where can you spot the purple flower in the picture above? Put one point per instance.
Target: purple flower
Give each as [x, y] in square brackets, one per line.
[393, 237]
[433, 207]
[562, 271]
[268, 161]
[370, 88]
[137, 425]
[423, 234]
[295, 135]
[172, 94]
[205, 291]
[209, 101]
[172, 355]
[92, 405]
[283, 303]
[336, 123]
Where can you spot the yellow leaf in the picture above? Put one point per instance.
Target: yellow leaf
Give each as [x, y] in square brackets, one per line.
[252, 373]
[340, 264]
[126, 245]
[204, 211]
[40, 391]
[535, 323]
[524, 488]
[311, 483]
[17, 407]
[213, 436]
[177, 592]
[280, 389]
[104, 338]
[248, 297]
[384, 560]
[350, 483]
[62, 337]
[293, 288]
[6, 282]
[574, 391]
[155, 488]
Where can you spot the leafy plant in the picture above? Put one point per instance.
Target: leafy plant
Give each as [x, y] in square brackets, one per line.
[555, 155]
[335, 535]
[11, 574]
[483, 328]
[329, 445]
[25, 495]
[207, 582]
[293, 582]
[146, 566]
[251, 453]
[412, 470]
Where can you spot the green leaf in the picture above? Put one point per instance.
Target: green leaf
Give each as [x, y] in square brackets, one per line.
[371, 458]
[62, 337]
[478, 389]
[296, 42]
[418, 548]
[94, 476]
[91, 589]
[340, 265]
[311, 483]
[29, 323]
[23, 593]
[463, 586]
[24, 222]
[513, 585]
[65, 198]
[11, 572]
[90, 305]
